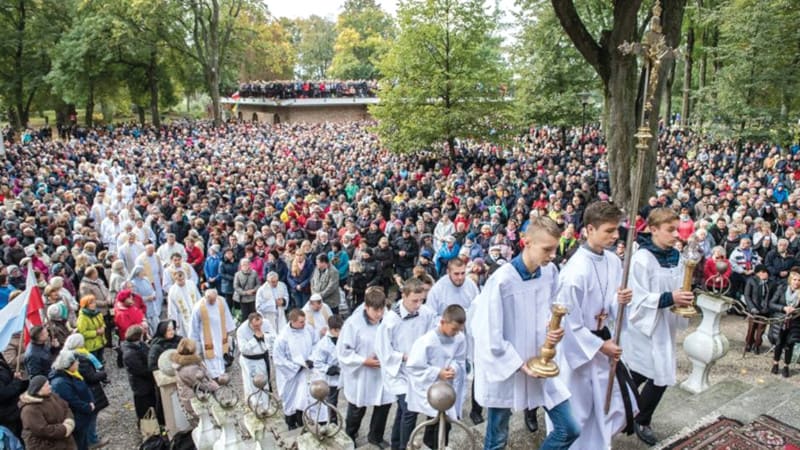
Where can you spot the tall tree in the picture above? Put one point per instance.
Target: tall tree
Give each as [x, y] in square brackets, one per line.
[444, 77]
[315, 46]
[204, 31]
[622, 82]
[551, 76]
[264, 49]
[28, 30]
[365, 32]
[83, 67]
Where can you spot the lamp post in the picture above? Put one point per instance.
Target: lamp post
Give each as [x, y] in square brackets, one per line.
[584, 98]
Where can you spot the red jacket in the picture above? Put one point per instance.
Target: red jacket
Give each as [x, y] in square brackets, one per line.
[194, 256]
[125, 316]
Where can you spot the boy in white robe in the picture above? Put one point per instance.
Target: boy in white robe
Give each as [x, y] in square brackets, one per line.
[178, 265]
[509, 324]
[181, 300]
[590, 287]
[439, 355]
[293, 368]
[326, 363]
[406, 322]
[212, 324]
[649, 335]
[361, 370]
[255, 337]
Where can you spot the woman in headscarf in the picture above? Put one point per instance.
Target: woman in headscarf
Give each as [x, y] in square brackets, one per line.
[93, 373]
[190, 371]
[68, 383]
[144, 289]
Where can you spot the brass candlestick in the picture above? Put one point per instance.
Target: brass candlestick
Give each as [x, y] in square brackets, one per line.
[691, 259]
[543, 364]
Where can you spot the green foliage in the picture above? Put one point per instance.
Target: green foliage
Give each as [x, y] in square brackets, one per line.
[550, 74]
[444, 78]
[758, 68]
[316, 36]
[365, 33]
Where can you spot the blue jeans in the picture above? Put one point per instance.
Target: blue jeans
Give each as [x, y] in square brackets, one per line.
[92, 430]
[404, 423]
[565, 430]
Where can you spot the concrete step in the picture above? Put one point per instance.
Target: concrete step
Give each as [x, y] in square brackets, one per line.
[759, 400]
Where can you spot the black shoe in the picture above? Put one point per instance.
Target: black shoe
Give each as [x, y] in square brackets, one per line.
[476, 417]
[785, 372]
[774, 369]
[120, 362]
[381, 445]
[645, 434]
[757, 350]
[530, 420]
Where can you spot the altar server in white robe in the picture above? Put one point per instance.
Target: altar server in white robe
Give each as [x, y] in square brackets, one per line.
[294, 369]
[212, 325]
[455, 288]
[439, 355]
[255, 337]
[181, 300]
[509, 321]
[406, 322]
[271, 299]
[326, 363]
[317, 313]
[590, 287]
[649, 335]
[361, 373]
[177, 264]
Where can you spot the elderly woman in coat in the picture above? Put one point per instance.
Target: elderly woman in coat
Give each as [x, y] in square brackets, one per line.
[47, 421]
[68, 383]
[145, 289]
[190, 371]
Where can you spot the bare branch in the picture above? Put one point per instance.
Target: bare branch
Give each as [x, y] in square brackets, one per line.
[580, 36]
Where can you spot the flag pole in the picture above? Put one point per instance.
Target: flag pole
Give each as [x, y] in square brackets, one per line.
[28, 289]
[653, 50]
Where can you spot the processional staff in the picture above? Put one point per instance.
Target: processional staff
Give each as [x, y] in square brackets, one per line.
[653, 50]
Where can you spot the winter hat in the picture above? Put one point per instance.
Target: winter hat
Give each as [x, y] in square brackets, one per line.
[315, 298]
[12, 242]
[426, 254]
[30, 251]
[64, 360]
[74, 342]
[760, 268]
[55, 312]
[36, 384]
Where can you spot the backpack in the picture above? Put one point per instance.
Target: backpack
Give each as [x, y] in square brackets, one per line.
[157, 442]
[183, 441]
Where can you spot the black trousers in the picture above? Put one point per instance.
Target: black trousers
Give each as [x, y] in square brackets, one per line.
[785, 346]
[141, 403]
[377, 424]
[294, 420]
[649, 397]
[247, 308]
[431, 436]
[476, 408]
[333, 399]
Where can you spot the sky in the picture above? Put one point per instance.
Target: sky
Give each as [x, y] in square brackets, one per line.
[331, 8]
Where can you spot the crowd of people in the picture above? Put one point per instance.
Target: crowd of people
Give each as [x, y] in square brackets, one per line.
[308, 89]
[308, 251]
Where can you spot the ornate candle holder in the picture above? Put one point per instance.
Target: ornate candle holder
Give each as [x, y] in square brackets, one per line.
[543, 364]
[691, 258]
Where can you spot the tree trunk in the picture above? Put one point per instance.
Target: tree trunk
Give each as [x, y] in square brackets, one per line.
[152, 80]
[140, 112]
[687, 77]
[667, 97]
[90, 105]
[213, 89]
[620, 124]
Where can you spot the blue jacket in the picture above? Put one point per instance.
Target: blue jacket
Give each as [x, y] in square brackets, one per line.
[38, 359]
[76, 393]
[211, 267]
[227, 271]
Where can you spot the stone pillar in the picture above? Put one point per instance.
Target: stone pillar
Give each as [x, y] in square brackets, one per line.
[706, 345]
[173, 413]
[206, 434]
[229, 439]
